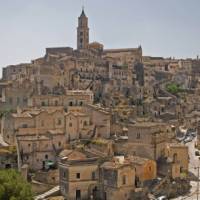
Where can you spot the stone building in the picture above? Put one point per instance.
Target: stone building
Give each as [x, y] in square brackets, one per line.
[79, 175]
[118, 179]
[8, 157]
[178, 153]
[70, 98]
[101, 118]
[33, 122]
[78, 125]
[145, 169]
[146, 139]
[40, 152]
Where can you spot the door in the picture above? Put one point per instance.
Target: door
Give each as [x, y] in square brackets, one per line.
[78, 195]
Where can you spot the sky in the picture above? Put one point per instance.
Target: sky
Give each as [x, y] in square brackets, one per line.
[168, 28]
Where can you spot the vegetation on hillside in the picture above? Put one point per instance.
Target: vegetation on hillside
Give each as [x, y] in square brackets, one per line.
[13, 186]
[6, 112]
[174, 88]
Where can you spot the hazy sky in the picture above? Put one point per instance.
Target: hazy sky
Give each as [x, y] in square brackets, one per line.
[163, 27]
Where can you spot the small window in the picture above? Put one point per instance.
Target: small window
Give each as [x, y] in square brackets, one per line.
[43, 103]
[24, 125]
[59, 144]
[70, 124]
[149, 168]
[93, 175]
[124, 180]
[78, 175]
[85, 123]
[56, 103]
[25, 100]
[64, 174]
[46, 156]
[59, 121]
[138, 136]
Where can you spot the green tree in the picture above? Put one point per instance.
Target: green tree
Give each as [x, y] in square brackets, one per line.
[13, 186]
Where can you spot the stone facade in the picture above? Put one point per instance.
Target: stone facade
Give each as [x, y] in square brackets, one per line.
[79, 175]
[178, 153]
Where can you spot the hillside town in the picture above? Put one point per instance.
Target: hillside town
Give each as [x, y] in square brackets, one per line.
[102, 124]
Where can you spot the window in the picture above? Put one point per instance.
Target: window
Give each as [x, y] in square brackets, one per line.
[78, 194]
[25, 100]
[81, 40]
[70, 124]
[24, 125]
[59, 121]
[81, 33]
[46, 156]
[78, 175]
[70, 103]
[56, 103]
[85, 123]
[138, 136]
[43, 103]
[93, 175]
[175, 157]
[124, 180]
[149, 168]
[64, 174]
[59, 144]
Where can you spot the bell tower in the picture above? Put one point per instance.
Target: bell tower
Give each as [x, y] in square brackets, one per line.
[82, 31]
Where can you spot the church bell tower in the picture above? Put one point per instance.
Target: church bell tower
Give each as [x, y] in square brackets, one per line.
[82, 31]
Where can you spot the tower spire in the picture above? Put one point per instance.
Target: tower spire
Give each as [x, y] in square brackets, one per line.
[82, 31]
